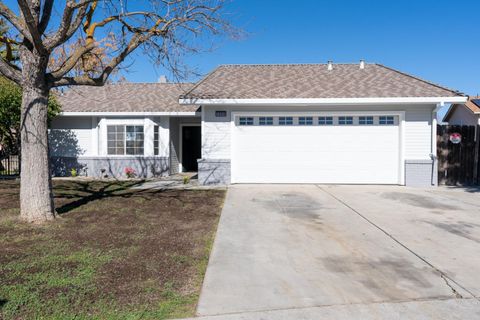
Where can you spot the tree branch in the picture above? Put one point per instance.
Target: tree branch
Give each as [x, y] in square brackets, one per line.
[10, 71]
[32, 26]
[85, 80]
[46, 14]
[68, 28]
[14, 20]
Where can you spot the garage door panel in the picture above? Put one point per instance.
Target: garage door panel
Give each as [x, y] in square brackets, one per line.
[316, 154]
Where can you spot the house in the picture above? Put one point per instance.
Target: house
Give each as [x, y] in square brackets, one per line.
[467, 113]
[294, 123]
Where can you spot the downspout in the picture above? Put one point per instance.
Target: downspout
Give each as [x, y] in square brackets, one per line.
[433, 154]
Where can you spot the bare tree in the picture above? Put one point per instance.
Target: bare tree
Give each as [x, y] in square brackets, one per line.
[72, 33]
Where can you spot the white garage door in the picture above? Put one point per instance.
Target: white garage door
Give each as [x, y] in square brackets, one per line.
[349, 149]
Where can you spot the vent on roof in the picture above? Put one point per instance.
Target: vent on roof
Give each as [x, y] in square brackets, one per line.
[330, 65]
[362, 64]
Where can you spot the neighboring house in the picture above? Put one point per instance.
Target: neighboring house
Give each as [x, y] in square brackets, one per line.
[294, 123]
[467, 113]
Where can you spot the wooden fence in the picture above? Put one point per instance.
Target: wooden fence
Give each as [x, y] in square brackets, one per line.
[458, 162]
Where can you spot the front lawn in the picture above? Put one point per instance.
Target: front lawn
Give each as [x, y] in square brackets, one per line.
[113, 252]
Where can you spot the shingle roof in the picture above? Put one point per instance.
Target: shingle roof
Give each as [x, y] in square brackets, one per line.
[472, 104]
[126, 97]
[312, 81]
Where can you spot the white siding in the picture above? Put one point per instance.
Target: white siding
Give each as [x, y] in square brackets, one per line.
[87, 136]
[71, 136]
[418, 133]
[216, 136]
[461, 115]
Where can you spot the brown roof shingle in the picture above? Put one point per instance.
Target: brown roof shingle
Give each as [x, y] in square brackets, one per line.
[126, 97]
[312, 81]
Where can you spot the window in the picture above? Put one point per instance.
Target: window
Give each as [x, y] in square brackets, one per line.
[266, 121]
[246, 121]
[156, 142]
[386, 120]
[285, 121]
[125, 140]
[305, 121]
[220, 114]
[365, 120]
[325, 120]
[345, 120]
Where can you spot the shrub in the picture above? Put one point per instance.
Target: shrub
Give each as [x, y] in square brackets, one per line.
[73, 172]
[130, 173]
[186, 179]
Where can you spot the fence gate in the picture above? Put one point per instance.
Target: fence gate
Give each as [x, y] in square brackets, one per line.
[458, 151]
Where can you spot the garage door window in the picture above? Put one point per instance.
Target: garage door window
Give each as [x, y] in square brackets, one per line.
[325, 121]
[345, 120]
[305, 121]
[285, 121]
[386, 120]
[246, 121]
[265, 121]
[365, 120]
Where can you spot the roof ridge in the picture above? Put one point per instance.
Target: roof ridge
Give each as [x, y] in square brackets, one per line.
[290, 64]
[420, 79]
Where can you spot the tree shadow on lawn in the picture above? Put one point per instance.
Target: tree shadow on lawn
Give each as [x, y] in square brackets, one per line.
[2, 303]
[85, 192]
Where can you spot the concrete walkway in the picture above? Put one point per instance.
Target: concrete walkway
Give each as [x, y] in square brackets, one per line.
[303, 248]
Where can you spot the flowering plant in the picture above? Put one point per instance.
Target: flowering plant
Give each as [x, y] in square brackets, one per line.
[130, 172]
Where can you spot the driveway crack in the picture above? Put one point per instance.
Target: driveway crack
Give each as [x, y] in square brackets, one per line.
[444, 276]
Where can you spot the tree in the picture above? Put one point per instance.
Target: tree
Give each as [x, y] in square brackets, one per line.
[10, 105]
[167, 30]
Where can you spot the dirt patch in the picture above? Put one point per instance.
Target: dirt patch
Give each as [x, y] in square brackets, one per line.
[111, 251]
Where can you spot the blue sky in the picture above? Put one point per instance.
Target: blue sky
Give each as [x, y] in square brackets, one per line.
[433, 39]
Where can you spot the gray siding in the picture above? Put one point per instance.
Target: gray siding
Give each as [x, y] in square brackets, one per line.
[103, 167]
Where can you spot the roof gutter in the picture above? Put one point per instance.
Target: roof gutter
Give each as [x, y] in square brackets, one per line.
[326, 101]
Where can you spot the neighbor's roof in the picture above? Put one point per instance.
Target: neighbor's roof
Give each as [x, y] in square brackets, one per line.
[126, 97]
[472, 104]
[289, 81]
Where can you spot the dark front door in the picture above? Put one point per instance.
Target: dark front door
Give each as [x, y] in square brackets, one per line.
[191, 147]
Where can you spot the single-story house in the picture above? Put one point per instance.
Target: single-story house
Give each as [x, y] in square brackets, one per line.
[467, 113]
[294, 123]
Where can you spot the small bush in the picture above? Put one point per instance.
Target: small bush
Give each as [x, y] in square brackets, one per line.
[73, 172]
[130, 173]
[186, 180]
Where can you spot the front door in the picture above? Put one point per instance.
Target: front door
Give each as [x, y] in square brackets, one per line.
[191, 147]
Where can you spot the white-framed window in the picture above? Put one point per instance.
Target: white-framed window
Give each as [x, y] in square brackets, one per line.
[345, 120]
[125, 140]
[365, 120]
[386, 120]
[246, 121]
[305, 121]
[285, 121]
[265, 121]
[325, 121]
[156, 141]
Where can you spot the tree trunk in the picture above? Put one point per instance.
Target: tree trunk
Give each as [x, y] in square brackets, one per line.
[36, 196]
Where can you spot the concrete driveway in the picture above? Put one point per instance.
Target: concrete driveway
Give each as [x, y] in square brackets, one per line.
[288, 247]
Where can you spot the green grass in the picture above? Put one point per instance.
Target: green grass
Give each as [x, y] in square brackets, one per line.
[66, 269]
